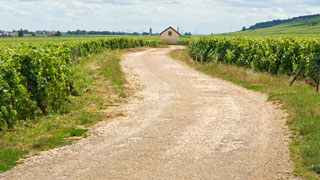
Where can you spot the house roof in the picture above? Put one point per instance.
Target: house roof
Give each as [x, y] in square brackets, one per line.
[170, 28]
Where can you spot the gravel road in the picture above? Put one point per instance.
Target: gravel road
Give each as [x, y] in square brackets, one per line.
[182, 124]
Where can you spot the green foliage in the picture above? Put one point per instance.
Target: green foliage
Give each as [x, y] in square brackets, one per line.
[38, 78]
[20, 33]
[60, 129]
[283, 55]
[58, 33]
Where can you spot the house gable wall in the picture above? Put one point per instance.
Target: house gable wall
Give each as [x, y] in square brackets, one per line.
[167, 39]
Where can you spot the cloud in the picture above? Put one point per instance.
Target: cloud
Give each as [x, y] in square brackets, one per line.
[202, 16]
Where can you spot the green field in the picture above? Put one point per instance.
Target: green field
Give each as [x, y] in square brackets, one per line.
[41, 39]
[303, 28]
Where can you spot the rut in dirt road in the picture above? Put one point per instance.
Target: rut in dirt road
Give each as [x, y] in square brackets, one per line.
[182, 125]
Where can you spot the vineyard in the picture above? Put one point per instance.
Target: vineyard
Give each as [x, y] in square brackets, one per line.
[273, 55]
[38, 78]
[230, 57]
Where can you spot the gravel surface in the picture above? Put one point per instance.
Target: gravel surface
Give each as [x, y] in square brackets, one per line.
[182, 124]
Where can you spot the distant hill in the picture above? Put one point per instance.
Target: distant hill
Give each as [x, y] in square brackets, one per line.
[278, 22]
[309, 26]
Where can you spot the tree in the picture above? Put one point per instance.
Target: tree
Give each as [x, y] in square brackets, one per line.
[20, 33]
[58, 33]
[312, 23]
[33, 34]
[244, 28]
[145, 34]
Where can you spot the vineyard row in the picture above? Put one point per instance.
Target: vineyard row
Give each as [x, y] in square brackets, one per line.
[38, 78]
[284, 55]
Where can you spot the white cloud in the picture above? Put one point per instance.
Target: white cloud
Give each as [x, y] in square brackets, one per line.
[203, 16]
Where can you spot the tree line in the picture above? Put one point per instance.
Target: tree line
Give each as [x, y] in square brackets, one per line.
[84, 32]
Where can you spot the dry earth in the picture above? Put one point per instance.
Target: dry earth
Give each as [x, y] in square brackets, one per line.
[181, 125]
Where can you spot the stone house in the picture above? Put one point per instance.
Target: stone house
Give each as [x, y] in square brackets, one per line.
[169, 36]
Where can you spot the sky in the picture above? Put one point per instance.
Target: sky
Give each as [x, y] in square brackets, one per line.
[195, 16]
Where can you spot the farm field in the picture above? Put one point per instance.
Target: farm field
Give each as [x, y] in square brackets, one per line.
[42, 39]
[27, 119]
[305, 28]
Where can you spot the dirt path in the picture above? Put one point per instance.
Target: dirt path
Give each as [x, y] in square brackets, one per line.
[182, 125]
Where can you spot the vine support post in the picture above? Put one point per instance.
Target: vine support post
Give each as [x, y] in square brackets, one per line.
[201, 60]
[295, 77]
[318, 82]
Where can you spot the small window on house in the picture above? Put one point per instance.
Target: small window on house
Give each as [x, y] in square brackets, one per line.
[170, 33]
